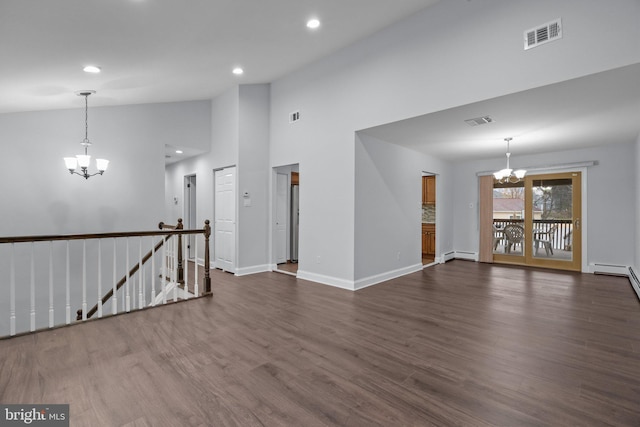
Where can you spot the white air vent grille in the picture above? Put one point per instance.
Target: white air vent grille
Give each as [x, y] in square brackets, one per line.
[294, 117]
[546, 33]
[479, 121]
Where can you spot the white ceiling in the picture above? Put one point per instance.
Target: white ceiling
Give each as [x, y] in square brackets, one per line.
[589, 111]
[166, 50]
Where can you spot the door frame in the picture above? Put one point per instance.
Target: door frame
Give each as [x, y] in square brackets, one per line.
[580, 261]
[190, 212]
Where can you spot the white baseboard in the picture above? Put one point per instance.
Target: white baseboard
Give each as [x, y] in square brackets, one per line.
[388, 275]
[633, 278]
[603, 268]
[448, 256]
[326, 280]
[244, 271]
[471, 256]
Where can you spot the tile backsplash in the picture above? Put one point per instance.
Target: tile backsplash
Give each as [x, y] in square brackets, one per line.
[428, 213]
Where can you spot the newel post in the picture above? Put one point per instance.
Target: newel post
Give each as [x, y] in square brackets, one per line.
[180, 226]
[207, 278]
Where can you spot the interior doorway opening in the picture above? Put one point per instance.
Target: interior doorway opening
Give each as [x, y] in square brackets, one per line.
[286, 219]
[428, 221]
[190, 221]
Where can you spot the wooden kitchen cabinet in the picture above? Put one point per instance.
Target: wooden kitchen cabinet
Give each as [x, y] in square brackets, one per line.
[429, 190]
[428, 240]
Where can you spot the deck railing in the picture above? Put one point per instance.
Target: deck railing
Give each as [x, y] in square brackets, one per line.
[42, 278]
[561, 239]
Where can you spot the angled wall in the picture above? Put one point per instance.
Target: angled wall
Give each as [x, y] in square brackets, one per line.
[447, 55]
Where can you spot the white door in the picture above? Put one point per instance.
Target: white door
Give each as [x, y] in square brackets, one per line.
[281, 217]
[224, 236]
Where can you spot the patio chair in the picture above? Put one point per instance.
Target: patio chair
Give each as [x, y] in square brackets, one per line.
[545, 239]
[514, 234]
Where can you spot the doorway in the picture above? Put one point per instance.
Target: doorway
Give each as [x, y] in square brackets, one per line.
[190, 213]
[224, 226]
[537, 221]
[428, 222]
[286, 219]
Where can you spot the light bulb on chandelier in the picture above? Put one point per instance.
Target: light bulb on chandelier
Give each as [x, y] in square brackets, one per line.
[508, 175]
[84, 160]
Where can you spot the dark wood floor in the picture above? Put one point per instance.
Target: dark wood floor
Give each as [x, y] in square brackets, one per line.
[463, 344]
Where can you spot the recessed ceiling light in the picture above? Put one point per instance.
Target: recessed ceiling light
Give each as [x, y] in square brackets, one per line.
[313, 23]
[238, 71]
[91, 69]
[178, 151]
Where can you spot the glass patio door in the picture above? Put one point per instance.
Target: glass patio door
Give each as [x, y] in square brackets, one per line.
[554, 225]
[537, 221]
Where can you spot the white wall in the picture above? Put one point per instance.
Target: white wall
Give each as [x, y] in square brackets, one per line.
[388, 208]
[222, 152]
[448, 55]
[253, 178]
[41, 197]
[239, 137]
[611, 199]
[636, 264]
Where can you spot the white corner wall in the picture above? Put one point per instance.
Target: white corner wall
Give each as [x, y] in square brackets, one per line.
[239, 137]
[432, 61]
[388, 206]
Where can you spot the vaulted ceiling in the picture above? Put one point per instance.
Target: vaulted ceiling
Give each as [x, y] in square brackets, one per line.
[167, 50]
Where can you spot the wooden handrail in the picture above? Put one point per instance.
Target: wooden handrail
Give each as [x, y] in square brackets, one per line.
[55, 237]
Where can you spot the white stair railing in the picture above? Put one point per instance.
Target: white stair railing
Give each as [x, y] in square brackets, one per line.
[45, 276]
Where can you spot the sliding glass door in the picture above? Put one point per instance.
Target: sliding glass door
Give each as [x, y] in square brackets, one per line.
[537, 221]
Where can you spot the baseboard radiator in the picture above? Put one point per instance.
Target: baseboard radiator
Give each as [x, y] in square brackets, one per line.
[634, 281]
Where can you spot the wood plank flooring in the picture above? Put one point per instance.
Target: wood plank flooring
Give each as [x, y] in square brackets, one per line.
[458, 344]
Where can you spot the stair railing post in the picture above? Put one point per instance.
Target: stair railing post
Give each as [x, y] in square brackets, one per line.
[207, 278]
[180, 226]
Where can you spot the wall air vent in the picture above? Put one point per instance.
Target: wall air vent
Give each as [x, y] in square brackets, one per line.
[294, 117]
[479, 121]
[546, 33]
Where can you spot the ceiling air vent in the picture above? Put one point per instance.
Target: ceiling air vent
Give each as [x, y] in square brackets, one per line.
[546, 33]
[479, 121]
[294, 117]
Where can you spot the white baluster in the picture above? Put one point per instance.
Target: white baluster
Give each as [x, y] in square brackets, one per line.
[127, 295]
[174, 272]
[114, 297]
[51, 284]
[164, 271]
[84, 280]
[32, 290]
[68, 289]
[140, 283]
[99, 278]
[195, 266]
[12, 292]
[153, 274]
[185, 264]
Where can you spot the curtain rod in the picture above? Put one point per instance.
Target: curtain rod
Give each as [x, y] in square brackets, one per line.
[575, 165]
